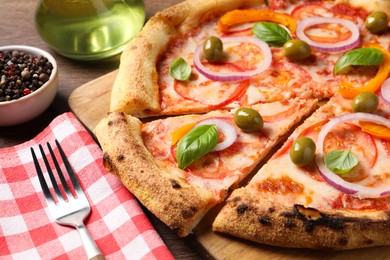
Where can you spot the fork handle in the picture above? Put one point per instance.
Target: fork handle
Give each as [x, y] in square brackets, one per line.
[91, 249]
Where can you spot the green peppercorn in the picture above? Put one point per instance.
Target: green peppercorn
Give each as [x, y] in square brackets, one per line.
[377, 22]
[213, 49]
[365, 102]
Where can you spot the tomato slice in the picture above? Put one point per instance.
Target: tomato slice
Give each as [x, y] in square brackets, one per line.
[345, 136]
[311, 131]
[386, 147]
[328, 33]
[239, 32]
[310, 9]
[286, 146]
[350, 11]
[281, 79]
[279, 116]
[211, 93]
[345, 201]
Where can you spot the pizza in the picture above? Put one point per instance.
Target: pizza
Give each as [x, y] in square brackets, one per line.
[180, 197]
[291, 96]
[310, 206]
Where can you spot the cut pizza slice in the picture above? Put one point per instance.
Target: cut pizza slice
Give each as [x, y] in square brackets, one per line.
[180, 167]
[339, 199]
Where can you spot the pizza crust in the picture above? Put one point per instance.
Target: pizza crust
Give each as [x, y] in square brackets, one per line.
[369, 5]
[135, 90]
[178, 204]
[246, 216]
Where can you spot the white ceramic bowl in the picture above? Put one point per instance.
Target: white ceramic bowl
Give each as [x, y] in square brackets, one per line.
[21, 110]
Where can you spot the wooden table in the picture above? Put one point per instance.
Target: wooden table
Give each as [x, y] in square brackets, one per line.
[17, 27]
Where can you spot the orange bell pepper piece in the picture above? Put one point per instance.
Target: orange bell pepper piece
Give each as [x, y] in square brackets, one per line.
[376, 130]
[251, 15]
[180, 132]
[348, 91]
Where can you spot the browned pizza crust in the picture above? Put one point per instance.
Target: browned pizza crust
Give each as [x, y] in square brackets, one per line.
[135, 90]
[169, 197]
[247, 216]
[369, 5]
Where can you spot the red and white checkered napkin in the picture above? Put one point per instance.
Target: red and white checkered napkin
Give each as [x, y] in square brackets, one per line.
[117, 223]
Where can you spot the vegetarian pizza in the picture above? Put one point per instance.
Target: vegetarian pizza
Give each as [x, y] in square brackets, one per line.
[292, 94]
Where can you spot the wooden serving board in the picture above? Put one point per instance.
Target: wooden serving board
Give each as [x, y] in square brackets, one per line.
[90, 103]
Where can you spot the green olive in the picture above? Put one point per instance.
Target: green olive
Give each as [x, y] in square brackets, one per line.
[302, 151]
[377, 22]
[248, 119]
[296, 50]
[365, 102]
[213, 49]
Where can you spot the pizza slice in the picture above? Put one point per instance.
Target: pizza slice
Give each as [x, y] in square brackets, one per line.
[180, 167]
[253, 67]
[338, 200]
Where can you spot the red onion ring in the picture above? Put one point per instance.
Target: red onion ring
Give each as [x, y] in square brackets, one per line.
[385, 91]
[351, 43]
[333, 179]
[226, 128]
[234, 75]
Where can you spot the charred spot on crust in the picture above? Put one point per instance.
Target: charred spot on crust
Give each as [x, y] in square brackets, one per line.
[242, 208]
[188, 213]
[313, 218]
[289, 224]
[235, 199]
[288, 214]
[175, 228]
[106, 162]
[175, 184]
[264, 220]
[343, 241]
[271, 210]
[369, 241]
[109, 123]
[120, 157]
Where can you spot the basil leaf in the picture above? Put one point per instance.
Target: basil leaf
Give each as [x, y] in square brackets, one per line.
[271, 33]
[180, 69]
[340, 161]
[196, 143]
[360, 57]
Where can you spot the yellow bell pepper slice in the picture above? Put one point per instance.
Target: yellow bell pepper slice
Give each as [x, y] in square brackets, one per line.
[348, 91]
[236, 17]
[180, 132]
[376, 130]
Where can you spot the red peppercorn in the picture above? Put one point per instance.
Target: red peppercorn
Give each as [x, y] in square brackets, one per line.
[11, 72]
[26, 91]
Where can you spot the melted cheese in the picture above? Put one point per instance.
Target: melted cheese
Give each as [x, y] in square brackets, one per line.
[218, 171]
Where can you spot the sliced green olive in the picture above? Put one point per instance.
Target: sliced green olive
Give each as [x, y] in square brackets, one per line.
[296, 50]
[213, 49]
[377, 22]
[302, 151]
[248, 119]
[365, 102]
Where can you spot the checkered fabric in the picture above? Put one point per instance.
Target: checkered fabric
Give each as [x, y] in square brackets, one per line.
[27, 231]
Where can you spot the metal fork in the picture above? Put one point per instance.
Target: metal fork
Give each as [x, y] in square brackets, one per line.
[70, 211]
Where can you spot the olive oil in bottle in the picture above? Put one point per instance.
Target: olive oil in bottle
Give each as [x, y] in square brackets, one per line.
[89, 29]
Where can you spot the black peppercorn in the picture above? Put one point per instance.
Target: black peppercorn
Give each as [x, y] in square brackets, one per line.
[22, 73]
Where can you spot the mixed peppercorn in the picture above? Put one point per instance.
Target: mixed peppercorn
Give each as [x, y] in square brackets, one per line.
[21, 74]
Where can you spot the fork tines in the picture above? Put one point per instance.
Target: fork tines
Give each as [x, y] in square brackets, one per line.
[68, 167]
